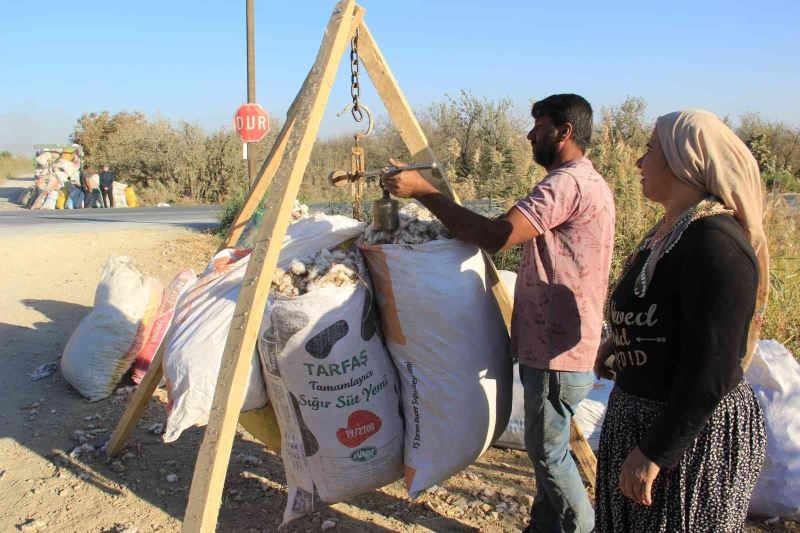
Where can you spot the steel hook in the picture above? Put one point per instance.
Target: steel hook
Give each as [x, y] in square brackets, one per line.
[370, 122]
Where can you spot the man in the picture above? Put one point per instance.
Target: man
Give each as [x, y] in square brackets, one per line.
[566, 227]
[107, 187]
[86, 187]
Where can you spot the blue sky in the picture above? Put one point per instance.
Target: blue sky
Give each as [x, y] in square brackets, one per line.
[186, 60]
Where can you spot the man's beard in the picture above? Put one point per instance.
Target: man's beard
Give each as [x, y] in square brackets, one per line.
[545, 152]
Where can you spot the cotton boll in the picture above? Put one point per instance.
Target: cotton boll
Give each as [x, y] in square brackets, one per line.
[417, 226]
[297, 267]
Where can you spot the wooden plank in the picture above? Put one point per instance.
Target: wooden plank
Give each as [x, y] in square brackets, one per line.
[212, 461]
[399, 110]
[587, 462]
[137, 405]
[411, 132]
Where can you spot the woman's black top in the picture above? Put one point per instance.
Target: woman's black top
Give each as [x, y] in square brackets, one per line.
[682, 343]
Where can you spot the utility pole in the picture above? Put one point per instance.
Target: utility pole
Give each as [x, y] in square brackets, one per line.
[251, 84]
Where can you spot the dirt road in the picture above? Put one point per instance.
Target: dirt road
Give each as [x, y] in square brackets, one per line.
[47, 287]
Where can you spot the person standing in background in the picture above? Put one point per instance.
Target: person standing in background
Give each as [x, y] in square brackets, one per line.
[84, 181]
[107, 187]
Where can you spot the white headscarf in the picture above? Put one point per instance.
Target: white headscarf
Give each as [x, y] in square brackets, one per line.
[705, 154]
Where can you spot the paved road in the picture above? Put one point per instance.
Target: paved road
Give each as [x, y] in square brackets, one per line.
[13, 222]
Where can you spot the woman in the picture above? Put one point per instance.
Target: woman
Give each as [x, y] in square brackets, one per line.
[683, 439]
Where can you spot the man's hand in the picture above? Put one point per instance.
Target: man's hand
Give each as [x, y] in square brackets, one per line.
[637, 476]
[406, 184]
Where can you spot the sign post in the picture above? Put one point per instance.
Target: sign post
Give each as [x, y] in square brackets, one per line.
[251, 82]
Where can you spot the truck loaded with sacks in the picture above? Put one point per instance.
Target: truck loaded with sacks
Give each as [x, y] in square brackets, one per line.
[57, 172]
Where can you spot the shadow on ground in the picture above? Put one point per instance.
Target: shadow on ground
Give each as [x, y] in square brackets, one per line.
[42, 416]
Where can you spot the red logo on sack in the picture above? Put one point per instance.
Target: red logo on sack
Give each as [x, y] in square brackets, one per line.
[361, 425]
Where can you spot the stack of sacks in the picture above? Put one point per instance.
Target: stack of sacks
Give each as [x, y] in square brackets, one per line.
[448, 340]
[56, 168]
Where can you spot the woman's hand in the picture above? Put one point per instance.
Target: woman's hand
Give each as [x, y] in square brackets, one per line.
[603, 353]
[637, 476]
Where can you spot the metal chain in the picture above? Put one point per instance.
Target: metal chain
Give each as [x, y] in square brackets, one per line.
[355, 88]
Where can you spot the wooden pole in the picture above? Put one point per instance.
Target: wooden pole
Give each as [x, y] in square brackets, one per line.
[137, 405]
[251, 82]
[212, 461]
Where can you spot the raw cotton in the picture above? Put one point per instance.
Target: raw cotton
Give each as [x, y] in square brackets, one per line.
[106, 342]
[299, 211]
[334, 391]
[417, 226]
[326, 268]
[447, 338]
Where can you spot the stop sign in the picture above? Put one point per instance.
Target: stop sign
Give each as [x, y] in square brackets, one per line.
[251, 122]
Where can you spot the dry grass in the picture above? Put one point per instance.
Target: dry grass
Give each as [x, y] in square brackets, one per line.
[782, 321]
[13, 165]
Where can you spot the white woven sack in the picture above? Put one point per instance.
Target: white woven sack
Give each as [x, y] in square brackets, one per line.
[447, 338]
[335, 394]
[43, 159]
[106, 342]
[775, 377]
[50, 200]
[118, 190]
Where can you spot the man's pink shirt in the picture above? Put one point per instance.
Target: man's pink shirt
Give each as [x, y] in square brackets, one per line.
[563, 278]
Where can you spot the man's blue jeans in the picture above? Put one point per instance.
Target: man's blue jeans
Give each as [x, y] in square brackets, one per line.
[551, 398]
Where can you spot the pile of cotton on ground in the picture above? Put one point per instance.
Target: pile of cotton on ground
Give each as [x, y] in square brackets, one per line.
[417, 226]
[324, 269]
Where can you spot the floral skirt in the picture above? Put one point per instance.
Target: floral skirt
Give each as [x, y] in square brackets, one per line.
[707, 491]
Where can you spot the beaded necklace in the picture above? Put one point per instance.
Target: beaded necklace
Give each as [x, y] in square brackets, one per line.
[662, 242]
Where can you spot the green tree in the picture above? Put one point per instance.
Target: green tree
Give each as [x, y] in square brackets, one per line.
[780, 141]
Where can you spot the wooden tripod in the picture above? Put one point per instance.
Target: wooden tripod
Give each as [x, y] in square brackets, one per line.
[286, 163]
